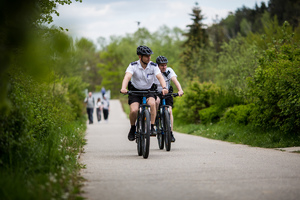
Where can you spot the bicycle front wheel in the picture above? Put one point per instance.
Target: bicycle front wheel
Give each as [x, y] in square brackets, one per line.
[145, 134]
[138, 136]
[167, 130]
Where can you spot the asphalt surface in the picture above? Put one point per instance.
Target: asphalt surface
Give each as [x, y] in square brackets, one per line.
[195, 168]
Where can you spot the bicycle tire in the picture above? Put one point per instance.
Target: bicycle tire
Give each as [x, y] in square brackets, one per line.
[167, 130]
[160, 135]
[145, 134]
[138, 138]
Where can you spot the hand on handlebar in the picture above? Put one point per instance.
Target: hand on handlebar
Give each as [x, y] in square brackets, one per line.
[124, 91]
[165, 91]
[180, 93]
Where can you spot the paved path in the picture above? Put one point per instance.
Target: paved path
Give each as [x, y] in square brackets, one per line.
[195, 168]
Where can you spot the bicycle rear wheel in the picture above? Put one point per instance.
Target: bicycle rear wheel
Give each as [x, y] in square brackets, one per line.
[160, 135]
[145, 134]
[167, 130]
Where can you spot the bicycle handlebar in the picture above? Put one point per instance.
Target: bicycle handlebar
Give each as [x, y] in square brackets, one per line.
[169, 94]
[140, 92]
[143, 92]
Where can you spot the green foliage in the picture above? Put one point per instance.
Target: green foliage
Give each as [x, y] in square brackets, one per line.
[19, 25]
[244, 21]
[276, 85]
[239, 114]
[75, 86]
[221, 100]
[193, 57]
[40, 139]
[114, 61]
[204, 102]
[197, 96]
[41, 123]
[237, 61]
[211, 114]
[86, 62]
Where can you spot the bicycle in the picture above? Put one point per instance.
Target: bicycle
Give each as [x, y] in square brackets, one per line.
[143, 124]
[163, 123]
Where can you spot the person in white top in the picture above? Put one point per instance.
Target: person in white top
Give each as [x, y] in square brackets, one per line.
[142, 74]
[168, 74]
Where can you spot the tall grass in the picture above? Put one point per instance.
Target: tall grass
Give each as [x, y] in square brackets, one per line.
[41, 136]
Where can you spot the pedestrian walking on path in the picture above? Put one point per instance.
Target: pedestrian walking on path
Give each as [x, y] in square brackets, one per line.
[105, 107]
[99, 109]
[90, 104]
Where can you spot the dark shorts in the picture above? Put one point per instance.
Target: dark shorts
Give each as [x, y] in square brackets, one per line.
[139, 99]
[169, 101]
[133, 98]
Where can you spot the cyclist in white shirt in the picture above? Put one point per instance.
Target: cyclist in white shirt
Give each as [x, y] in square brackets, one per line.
[168, 74]
[142, 74]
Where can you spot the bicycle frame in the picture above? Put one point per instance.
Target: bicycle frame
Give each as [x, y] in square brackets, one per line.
[142, 108]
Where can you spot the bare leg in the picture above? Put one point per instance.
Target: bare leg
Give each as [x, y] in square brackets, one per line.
[151, 103]
[171, 117]
[134, 108]
[157, 103]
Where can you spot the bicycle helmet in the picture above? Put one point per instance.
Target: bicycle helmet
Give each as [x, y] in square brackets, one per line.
[161, 59]
[143, 50]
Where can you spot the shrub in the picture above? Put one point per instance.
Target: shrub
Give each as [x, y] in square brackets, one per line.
[239, 114]
[276, 86]
[199, 96]
[210, 114]
[196, 96]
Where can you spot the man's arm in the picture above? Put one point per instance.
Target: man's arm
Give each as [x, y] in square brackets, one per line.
[177, 84]
[126, 79]
[162, 83]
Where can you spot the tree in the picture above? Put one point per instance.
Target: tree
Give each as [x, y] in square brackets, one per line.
[87, 59]
[18, 21]
[285, 10]
[217, 34]
[193, 58]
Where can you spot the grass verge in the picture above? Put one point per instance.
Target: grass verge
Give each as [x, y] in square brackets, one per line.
[239, 134]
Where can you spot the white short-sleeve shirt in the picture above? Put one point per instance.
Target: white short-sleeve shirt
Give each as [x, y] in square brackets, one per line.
[142, 79]
[167, 76]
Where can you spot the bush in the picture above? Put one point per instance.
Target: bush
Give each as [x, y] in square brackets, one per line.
[276, 86]
[201, 96]
[239, 114]
[210, 114]
[197, 96]
[75, 87]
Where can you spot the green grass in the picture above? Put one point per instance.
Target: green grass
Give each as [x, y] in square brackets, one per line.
[52, 170]
[240, 134]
